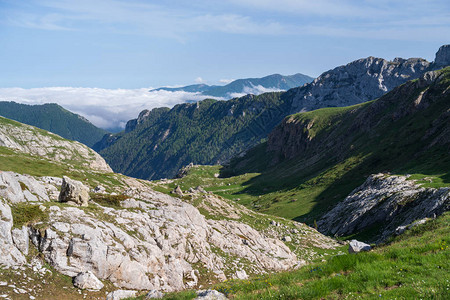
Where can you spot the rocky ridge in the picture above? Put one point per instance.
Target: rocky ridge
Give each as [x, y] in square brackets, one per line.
[40, 143]
[385, 201]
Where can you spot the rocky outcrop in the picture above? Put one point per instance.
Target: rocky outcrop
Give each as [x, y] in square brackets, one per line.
[10, 255]
[153, 241]
[356, 246]
[442, 57]
[37, 142]
[87, 280]
[385, 202]
[74, 191]
[359, 81]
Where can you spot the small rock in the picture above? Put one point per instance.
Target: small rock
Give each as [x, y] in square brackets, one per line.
[241, 274]
[3, 283]
[287, 238]
[154, 294]
[210, 295]
[99, 189]
[121, 294]
[177, 191]
[357, 246]
[74, 191]
[87, 280]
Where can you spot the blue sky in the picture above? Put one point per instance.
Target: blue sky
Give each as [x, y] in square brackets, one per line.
[134, 44]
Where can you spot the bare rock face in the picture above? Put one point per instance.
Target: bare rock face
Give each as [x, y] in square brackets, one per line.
[9, 254]
[356, 246]
[20, 188]
[87, 280]
[74, 191]
[385, 201]
[359, 81]
[443, 56]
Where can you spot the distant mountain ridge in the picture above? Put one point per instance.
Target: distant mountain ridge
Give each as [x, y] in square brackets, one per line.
[211, 132]
[245, 86]
[53, 118]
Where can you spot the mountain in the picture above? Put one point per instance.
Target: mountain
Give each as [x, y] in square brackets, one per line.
[54, 118]
[68, 221]
[313, 160]
[246, 86]
[160, 142]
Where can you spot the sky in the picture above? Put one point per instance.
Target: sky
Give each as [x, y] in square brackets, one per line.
[110, 52]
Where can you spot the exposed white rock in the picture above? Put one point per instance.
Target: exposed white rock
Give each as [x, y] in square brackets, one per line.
[21, 239]
[154, 294]
[9, 254]
[87, 280]
[356, 246]
[390, 201]
[210, 295]
[20, 188]
[121, 294]
[29, 139]
[402, 229]
[74, 191]
[241, 274]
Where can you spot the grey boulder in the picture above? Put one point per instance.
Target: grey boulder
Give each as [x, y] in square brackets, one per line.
[210, 295]
[357, 246]
[87, 280]
[74, 191]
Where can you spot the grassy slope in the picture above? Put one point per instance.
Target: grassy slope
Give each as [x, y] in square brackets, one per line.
[414, 265]
[305, 186]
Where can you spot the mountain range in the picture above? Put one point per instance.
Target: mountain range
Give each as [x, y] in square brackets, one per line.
[161, 141]
[245, 86]
[54, 118]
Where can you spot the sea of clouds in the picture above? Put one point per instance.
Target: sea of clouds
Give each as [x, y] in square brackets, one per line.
[106, 108]
[109, 108]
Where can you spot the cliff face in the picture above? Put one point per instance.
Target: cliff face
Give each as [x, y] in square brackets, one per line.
[335, 130]
[357, 82]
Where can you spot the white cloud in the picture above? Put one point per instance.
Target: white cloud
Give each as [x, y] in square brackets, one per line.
[105, 108]
[255, 90]
[226, 81]
[199, 80]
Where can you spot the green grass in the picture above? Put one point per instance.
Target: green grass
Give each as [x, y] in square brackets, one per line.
[26, 214]
[414, 265]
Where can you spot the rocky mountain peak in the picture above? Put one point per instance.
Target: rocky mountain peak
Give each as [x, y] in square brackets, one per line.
[443, 56]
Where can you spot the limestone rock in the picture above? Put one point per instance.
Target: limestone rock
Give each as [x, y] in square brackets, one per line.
[21, 239]
[443, 56]
[154, 294]
[210, 295]
[121, 294]
[241, 274]
[177, 191]
[30, 140]
[87, 280]
[356, 246]
[9, 254]
[392, 201]
[74, 191]
[21, 188]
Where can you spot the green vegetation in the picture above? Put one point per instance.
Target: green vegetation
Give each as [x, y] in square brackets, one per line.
[26, 214]
[207, 132]
[340, 147]
[412, 266]
[108, 200]
[54, 118]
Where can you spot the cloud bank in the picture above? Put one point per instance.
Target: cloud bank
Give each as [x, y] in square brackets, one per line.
[106, 108]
